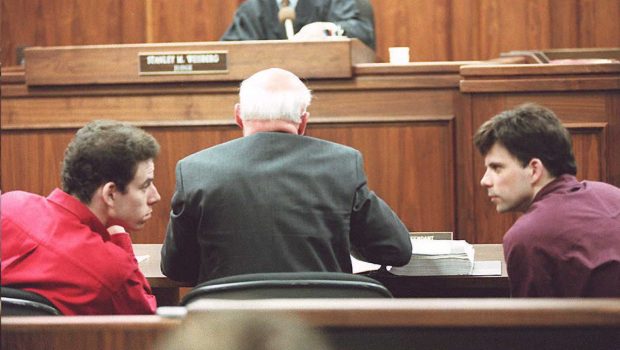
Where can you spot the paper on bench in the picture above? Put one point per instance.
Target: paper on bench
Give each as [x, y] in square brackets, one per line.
[487, 268]
[363, 266]
[438, 257]
[142, 258]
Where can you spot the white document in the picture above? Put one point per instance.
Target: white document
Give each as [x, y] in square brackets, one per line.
[441, 247]
[438, 258]
[142, 258]
[362, 266]
[487, 268]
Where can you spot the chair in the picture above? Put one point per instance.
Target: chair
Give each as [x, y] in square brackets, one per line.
[17, 302]
[289, 285]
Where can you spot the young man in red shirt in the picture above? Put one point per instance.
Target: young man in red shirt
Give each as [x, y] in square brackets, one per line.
[72, 247]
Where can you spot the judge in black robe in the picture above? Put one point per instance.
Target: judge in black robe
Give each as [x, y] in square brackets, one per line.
[258, 20]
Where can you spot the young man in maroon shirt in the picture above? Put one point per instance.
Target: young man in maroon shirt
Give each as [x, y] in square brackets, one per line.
[567, 242]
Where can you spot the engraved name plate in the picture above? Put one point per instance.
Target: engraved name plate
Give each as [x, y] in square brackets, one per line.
[204, 62]
[431, 235]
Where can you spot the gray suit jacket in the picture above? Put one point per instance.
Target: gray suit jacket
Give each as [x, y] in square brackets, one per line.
[277, 202]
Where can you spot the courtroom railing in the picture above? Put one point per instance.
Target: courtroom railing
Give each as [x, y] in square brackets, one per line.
[357, 324]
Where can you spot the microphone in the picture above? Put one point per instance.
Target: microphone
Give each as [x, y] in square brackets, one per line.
[287, 15]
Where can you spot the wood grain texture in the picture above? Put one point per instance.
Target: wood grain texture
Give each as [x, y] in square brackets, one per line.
[482, 29]
[423, 26]
[433, 29]
[408, 164]
[69, 22]
[85, 332]
[119, 64]
[596, 27]
[458, 312]
[412, 124]
[403, 122]
[458, 323]
[188, 20]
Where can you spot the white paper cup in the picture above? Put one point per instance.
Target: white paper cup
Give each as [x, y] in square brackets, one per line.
[399, 55]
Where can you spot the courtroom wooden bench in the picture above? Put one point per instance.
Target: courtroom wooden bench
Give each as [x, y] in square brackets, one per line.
[357, 324]
[84, 332]
[447, 323]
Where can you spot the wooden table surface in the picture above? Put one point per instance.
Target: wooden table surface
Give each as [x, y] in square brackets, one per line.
[400, 286]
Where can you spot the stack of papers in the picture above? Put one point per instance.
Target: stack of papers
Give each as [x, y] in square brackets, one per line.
[438, 257]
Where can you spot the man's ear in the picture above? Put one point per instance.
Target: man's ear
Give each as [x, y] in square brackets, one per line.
[537, 169]
[238, 119]
[108, 193]
[302, 125]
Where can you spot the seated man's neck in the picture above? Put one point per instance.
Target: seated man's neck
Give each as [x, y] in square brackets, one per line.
[251, 127]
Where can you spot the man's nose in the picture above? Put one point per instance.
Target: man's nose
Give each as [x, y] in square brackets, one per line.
[154, 197]
[485, 181]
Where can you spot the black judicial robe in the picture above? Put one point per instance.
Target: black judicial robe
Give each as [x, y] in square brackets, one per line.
[258, 20]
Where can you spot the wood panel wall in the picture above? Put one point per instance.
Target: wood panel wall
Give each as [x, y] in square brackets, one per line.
[403, 123]
[413, 124]
[422, 154]
[435, 30]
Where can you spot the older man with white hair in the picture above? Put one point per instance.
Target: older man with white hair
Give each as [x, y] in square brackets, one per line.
[275, 200]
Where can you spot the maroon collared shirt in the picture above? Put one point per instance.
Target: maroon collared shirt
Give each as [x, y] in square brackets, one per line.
[567, 244]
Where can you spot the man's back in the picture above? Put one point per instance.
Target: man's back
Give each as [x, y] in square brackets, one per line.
[277, 202]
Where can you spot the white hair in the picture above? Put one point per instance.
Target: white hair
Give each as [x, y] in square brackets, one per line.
[259, 99]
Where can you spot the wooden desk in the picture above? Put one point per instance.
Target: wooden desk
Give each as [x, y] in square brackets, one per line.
[451, 286]
[367, 324]
[446, 323]
[151, 266]
[167, 291]
[84, 332]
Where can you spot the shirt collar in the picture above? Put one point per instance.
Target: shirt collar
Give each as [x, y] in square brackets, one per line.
[563, 183]
[79, 209]
[292, 3]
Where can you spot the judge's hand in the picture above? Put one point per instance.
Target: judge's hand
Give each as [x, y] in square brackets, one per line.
[316, 31]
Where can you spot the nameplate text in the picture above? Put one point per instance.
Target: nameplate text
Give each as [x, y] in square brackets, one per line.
[204, 62]
[431, 235]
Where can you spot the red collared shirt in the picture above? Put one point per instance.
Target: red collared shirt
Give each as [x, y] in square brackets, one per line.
[58, 248]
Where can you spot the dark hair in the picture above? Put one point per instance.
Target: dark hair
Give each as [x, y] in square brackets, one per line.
[104, 151]
[530, 131]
